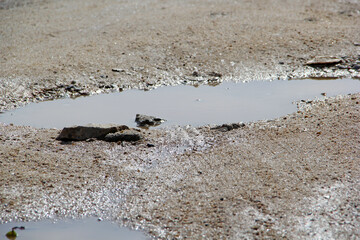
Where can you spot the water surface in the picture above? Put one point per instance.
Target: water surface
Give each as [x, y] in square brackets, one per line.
[86, 229]
[182, 105]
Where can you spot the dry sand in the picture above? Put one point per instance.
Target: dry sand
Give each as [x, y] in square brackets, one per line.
[294, 177]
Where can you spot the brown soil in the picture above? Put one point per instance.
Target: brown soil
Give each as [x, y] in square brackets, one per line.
[294, 177]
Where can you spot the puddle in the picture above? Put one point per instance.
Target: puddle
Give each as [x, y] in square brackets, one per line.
[87, 229]
[182, 105]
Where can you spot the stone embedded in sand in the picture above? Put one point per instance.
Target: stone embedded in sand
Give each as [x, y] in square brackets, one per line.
[323, 61]
[129, 135]
[80, 133]
[148, 121]
[228, 127]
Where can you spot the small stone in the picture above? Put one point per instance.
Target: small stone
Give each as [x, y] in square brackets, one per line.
[357, 44]
[342, 67]
[147, 121]
[90, 140]
[129, 135]
[323, 94]
[84, 93]
[72, 88]
[150, 145]
[118, 70]
[322, 61]
[228, 127]
[355, 66]
[215, 74]
[195, 74]
[310, 19]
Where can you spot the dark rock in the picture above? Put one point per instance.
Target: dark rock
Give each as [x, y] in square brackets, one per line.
[80, 133]
[129, 135]
[355, 66]
[310, 19]
[73, 88]
[228, 127]
[150, 145]
[118, 70]
[215, 74]
[195, 74]
[147, 121]
[342, 67]
[323, 61]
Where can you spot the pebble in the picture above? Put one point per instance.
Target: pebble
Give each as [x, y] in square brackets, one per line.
[129, 135]
[215, 74]
[147, 121]
[228, 127]
[320, 61]
[118, 70]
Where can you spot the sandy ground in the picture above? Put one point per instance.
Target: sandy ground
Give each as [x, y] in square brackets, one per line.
[294, 177]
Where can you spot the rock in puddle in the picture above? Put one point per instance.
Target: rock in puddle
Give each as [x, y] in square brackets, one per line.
[81, 133]
[128, 135]
[148, 121]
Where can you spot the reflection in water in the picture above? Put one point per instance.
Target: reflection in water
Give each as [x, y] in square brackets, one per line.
[182, 105]
[87, 229]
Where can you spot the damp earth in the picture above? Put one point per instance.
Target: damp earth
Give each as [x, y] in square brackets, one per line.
[295, 176]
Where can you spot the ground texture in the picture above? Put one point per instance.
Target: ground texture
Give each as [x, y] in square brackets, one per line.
[294, 177]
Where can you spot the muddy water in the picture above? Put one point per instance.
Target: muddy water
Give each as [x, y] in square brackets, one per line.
[182, 105]
[87, 229]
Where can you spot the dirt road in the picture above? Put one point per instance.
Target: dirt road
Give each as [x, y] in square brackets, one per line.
[294, 177]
